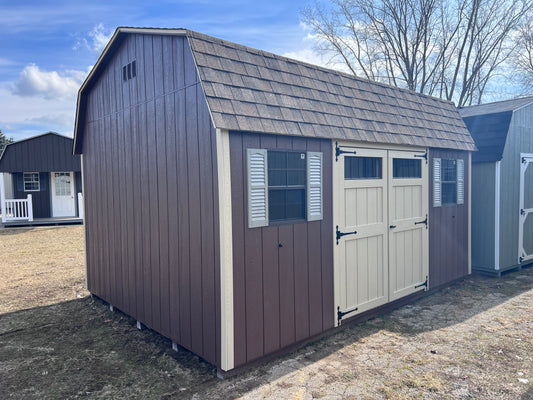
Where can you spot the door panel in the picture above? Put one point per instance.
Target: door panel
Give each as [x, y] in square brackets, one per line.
[525, 227]
[387, 257]
[408, 207]
[361, 206]
[63, 199]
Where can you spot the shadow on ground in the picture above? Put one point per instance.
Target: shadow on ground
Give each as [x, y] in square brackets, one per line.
[81, 349]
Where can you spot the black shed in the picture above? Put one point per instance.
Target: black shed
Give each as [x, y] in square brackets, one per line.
[45, 168]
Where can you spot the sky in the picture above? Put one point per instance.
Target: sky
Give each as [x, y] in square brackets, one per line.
[47, 48]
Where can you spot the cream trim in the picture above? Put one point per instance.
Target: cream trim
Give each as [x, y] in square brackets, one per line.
[84, 220]
[469, 213]
[497, 217]
[226, 250]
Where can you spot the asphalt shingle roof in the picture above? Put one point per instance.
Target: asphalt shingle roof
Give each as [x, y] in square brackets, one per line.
[253, 90]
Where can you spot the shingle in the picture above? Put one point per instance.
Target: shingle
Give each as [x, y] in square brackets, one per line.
[332, 104]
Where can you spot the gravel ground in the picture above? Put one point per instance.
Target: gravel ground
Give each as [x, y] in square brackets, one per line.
[472, 340]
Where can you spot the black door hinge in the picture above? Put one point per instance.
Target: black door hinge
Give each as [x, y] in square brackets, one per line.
[341, 314]
[339, 151]
[423, 222]
[341, 234]
[424, 156]
[425, 284]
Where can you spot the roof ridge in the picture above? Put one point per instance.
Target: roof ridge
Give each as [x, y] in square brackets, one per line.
[199, 35]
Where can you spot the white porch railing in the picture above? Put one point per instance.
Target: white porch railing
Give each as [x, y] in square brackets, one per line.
[80, 205]
[17, 209]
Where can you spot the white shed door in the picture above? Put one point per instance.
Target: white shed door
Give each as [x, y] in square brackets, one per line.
[525, 227]
[408, 223]
[63, 202]
[381, 240]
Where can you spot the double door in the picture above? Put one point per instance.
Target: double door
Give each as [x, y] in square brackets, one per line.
[525, 228]
[381, 226]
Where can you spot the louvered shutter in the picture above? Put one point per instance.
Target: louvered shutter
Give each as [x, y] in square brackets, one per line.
[437, 197]
[314, 186]
[257, 187]
[460, 181]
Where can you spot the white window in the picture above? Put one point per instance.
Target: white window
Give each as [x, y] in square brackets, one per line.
[31, 182]
[448, 182]
[283, 186]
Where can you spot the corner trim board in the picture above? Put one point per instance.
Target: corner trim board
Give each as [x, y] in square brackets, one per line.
[497, 217]
[469, 213]
[226, 251]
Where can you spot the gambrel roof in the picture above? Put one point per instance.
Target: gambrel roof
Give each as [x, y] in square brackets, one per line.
[253, 90]
[489, 125]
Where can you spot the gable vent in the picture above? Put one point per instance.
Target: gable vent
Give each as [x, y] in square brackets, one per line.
[129, 71]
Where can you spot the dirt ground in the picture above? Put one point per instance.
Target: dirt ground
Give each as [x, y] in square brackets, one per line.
[473, 340]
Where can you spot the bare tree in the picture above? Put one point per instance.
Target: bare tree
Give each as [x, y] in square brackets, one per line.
[446, 48]
[524, 56]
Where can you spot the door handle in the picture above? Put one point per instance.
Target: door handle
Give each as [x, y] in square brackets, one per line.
[392, 226]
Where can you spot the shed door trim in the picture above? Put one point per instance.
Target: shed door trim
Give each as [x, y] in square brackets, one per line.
[526, 161]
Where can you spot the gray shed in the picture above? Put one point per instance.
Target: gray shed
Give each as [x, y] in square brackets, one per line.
[502, 184]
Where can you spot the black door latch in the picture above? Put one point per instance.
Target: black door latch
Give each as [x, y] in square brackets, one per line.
[341, 234]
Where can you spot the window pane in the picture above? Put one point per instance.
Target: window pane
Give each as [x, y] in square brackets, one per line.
[449, 171]
[277, 160]
[449, 193]
[406, 168]
[295, 160]
[296, 178]
[277, 177]
[276, 205]
[286, 204]
[362, 167]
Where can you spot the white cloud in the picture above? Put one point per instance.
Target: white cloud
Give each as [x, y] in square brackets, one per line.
[306, 55]
[97, 41]
[33, 82]
[99, 38]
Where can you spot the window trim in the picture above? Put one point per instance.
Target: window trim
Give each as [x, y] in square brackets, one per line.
[38, 181]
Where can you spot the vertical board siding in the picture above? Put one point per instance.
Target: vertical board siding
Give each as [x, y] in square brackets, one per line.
[282, 295]
[448, 230]
[483, 212]
[519, 140]
[150, 175]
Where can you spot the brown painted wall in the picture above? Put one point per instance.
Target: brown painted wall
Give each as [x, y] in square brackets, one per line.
[151, 194]
[448, 230]
[282, 295]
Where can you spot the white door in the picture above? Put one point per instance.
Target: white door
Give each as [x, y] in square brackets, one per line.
[408, 223]
[360, 205]
[380, 200]
[63, 202]
[525, 227]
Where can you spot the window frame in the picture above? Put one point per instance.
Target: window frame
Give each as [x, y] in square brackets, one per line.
[31, 181]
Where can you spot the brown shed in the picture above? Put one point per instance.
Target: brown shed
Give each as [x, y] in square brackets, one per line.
[239, 202]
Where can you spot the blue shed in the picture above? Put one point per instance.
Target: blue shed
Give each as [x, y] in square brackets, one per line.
[502, 184]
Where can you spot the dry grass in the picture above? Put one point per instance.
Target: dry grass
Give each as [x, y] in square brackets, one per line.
[41, 266]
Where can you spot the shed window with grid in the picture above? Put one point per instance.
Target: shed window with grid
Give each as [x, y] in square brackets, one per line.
[31, 182]
[448, 182]
[283, 186]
